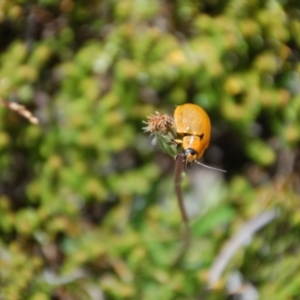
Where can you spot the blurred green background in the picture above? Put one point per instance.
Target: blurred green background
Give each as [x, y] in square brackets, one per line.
[87, 203]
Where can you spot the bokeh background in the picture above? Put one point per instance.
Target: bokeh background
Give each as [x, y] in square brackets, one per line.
[87, 202]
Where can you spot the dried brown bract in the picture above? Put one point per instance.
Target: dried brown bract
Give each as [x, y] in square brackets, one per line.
[21, 110]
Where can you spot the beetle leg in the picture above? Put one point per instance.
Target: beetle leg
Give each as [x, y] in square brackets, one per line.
[175, 142]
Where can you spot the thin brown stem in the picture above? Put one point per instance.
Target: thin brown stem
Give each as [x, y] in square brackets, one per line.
[178, 190]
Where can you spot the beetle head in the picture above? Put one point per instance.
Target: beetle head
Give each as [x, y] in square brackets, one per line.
[190, 155]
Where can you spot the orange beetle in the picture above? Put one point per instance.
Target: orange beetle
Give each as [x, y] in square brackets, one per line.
[193, 123]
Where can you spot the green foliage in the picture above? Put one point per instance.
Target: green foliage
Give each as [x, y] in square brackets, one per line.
[87, 203]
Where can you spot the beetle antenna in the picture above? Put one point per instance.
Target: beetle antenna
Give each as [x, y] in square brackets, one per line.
[209, 167]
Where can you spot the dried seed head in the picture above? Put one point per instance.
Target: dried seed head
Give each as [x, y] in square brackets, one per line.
[162, 128]
[159, 124]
